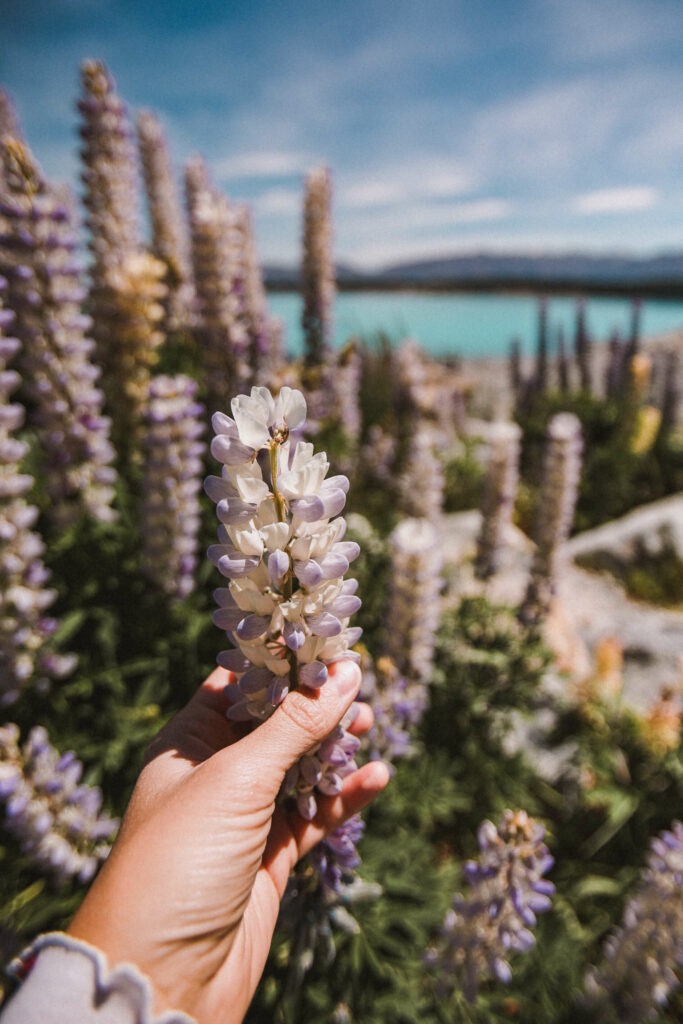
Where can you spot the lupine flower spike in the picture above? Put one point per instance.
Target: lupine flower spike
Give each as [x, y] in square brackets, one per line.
[317, 270]
[507, 891]
[169, 243]
[561, 473]
[24, 596]
[643, 957]
[37, 247]
[287, 606]
[126, 284]
[415, 600]
[498, 501]
[58, 822]
[172, 483]
[221, 330]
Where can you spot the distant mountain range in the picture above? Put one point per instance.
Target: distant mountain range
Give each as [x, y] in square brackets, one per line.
[662, 274]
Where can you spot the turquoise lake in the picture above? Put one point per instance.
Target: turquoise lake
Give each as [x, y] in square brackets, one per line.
[471, 325]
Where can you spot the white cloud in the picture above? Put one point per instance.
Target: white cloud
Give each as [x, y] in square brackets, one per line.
[265, 164]
[278, 202]
[423, 179]
[616, 200]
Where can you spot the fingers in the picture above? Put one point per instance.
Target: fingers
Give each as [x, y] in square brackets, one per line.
[291, 837]
[359, 790]
[363, 720]
[302, 720]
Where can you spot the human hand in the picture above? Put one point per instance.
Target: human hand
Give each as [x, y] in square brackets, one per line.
[191, 890]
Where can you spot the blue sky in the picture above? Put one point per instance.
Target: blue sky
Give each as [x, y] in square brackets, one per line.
[450, 125]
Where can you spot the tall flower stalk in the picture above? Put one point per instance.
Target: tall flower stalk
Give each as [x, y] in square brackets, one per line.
[422, 481]
[559, 490]
[127, 287]
[172, 483]
[415, 599]
[498, 501]
[506, 892]
[317, 267]
[168, 234]
[221, 331]
[286, 609]
[37, 246]
[25, 628]
[58, 822]
[643, 957]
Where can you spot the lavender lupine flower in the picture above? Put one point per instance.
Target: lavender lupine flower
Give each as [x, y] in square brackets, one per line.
[169, 243]
[37, 243]
[317, 267]
[58, 822]
[127, 290]
[616, 365]
[507, 891]
[172, 483]
[582, 348]
[643, 957]
[415, 600]
[422, 481]
[378, 455]
[265, 340]
[670, 398]
[561, 473]
[345, 381]
[562, 363]
[498, 500]
[221, 330]
[398, 704]
[281, 545]
[541, 368]
[24, 597]
[515, 374]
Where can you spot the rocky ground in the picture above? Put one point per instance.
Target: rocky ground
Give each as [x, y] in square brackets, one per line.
[591, 607]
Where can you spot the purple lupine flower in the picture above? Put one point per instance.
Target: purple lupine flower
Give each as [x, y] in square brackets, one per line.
[345, 381]
[317, 266]
[507, 891]
[36, 255]
[57, 819]
[126, 284]
[515, 374]
[378, 455]
[422, 481]
[562, 363]
[169, 243]
[498, 500]
[415, 600]
[172, 483]
[24, 597]
[398, 705]
[582, 348]
[642, 958]
[265, 349]
[561, 473]
[219, 276]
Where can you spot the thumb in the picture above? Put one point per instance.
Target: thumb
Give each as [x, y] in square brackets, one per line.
[303, 719]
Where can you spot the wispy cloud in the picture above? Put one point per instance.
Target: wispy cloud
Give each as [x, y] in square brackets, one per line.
[616, 200]
[422, 179]
[278, 202]
[261, 164]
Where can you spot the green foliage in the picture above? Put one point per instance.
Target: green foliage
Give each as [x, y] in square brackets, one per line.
[464, 475]
[614, 477]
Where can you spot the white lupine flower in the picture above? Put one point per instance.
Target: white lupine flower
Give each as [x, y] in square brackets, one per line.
[286, 608]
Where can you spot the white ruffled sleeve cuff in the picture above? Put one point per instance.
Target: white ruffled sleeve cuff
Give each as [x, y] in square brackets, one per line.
[70, 981]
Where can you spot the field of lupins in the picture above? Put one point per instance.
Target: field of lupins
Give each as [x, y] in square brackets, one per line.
[150, 413]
